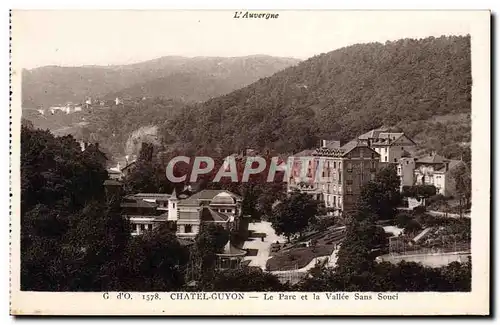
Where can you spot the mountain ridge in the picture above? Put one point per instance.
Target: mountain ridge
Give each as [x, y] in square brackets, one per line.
[55, 85]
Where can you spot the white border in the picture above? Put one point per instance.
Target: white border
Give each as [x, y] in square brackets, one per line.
[479, 124]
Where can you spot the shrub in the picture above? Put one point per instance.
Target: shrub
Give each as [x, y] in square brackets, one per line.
[418, 210]
[412, 226]
[402, 219]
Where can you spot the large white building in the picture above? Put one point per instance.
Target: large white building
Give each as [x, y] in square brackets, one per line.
[146, 211]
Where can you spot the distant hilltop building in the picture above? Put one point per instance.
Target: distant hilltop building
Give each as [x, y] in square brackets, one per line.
[68, 108]
[118, 101]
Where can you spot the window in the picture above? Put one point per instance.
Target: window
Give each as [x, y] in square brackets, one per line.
[402, 148]
[334, 164]
[334, 200]
[188, 229]
[385, 158]
[395, 160]
[349, 189]
[143, 227]
[361, 152]
[173, 205]
[373, 164]
[385, 150]
[407, 162]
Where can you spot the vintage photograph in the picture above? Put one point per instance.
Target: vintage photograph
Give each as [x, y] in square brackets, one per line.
[203, 155]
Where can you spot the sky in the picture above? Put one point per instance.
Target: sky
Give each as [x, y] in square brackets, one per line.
[75, 38]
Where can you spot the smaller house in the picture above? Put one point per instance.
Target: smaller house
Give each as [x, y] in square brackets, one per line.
[145, 211]
[129, 168]
[429, 169]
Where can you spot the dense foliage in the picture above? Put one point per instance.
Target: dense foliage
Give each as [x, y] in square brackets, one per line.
[381, 196]
[419, 191]
[72, 237]
[294, 214]
[339, 95]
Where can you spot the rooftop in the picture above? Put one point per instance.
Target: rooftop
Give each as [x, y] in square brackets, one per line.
[208, 214]
[206, 195]
[112, 182]
[157, 196]
[432, 158]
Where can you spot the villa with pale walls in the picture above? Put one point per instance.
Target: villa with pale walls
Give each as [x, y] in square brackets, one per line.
[429, 169]
[185, 214]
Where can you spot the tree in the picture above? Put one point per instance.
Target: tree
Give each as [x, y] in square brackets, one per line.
[245, 279]
[462, 177]
[149, 174]
[62, 194]
[154, 262]
[381, 196]
[294, 214]
[419, 191]
[209, 241]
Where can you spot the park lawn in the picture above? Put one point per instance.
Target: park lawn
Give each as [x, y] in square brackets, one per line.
[297, 257]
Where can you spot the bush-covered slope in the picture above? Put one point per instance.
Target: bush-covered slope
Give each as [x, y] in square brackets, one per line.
[336, 95]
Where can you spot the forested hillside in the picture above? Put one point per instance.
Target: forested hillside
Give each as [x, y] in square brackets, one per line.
[181, 78]
[339, 95]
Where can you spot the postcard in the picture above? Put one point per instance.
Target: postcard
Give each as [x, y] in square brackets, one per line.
[250, 162]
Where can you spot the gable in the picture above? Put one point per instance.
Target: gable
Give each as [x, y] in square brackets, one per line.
[367, 152]
[403, 140]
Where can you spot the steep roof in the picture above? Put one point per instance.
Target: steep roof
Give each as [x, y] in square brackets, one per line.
[342, 151]
[381, 136]
[431, 159]
[304, 153]
[452, 164]
[138, 204]
[210, 215]
[230, 250]
[372, 134]
[129, 165]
